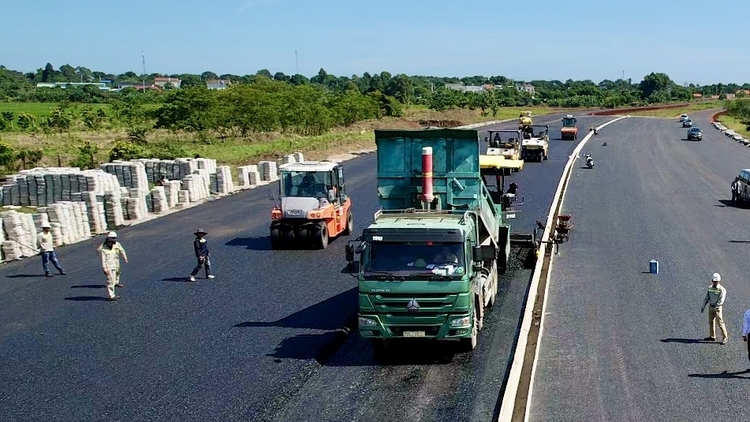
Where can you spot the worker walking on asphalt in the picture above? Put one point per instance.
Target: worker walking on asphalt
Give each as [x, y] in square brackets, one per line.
[746, 332]
[44, 239]
[715, 299]
[200, 244]
[110, 252]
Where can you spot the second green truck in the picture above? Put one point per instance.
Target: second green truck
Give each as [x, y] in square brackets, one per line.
[429, 263]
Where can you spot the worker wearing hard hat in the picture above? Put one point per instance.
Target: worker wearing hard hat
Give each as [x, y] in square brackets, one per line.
[715, 301]
[47, 247]
[110, 252]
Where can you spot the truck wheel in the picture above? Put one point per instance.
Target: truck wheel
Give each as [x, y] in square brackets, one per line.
[286, 237]
[379, 347]
[275, 238]
[470, 343]
[303, 235]
[321, 236]
[349, 224]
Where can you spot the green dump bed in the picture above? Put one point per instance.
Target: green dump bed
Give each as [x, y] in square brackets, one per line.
[457, 180]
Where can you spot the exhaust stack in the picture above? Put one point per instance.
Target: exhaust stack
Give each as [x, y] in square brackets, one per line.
[427, 196]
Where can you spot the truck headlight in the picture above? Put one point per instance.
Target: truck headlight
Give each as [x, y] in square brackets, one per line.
[367, 322]
[461, 322]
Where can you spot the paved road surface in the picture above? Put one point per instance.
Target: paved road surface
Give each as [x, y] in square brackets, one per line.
[257, 343]
[620, 344]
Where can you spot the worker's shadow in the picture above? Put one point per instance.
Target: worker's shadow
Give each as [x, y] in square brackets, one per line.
[726, 203]
[685, 340]
[262, 243]
[745, 375]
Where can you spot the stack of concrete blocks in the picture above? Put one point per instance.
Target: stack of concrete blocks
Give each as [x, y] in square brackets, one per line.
[248, 176]
[171, 190]
[222, 183]
[205, 164]
[300, 158]
[21, 235]
[40, 187]
[196, 186]
[113, 209]
[291, 158]
[268, 171]
[95, 212]
[159, 198]
[172, 169]
[72, 220]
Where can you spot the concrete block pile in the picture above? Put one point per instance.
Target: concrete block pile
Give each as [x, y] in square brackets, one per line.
[20, 235]
[130, 174]
[40, 187]
[222, 183]
[247, 176]
[268, 171]
[69, 221]
[197, 187]
[159, 199]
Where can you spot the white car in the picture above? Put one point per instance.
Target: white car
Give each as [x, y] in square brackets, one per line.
[683, 117]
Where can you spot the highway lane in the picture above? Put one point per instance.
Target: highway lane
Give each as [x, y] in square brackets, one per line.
[619, 343]
[240, 347]
[421, 381]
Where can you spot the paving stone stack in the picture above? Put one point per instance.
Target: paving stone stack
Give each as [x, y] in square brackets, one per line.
[40, 187]
[300, 157]
[268, 171]
[113, 209]
[224, 183]
[21, 235]
[159, 198]
[134, 204]
[248, 176]
[291, 158]
[130, 174]
[197, 187]
[171, 190]
[95, 212]
[205, 164]
[72, 220]
[172, 169]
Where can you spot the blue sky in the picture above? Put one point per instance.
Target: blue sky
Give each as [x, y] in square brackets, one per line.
[690, 40]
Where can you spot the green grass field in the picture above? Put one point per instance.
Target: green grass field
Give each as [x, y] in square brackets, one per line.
[42, 109]
[735, 124]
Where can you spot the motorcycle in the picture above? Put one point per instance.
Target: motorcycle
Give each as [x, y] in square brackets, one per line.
[589, 161]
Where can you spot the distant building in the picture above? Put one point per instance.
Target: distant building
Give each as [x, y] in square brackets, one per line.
[469, 88]
[529, 88]
[218, 83]
[161, 81]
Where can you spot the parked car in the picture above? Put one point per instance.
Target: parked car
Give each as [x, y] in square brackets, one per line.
[695, 133]
[744, 186]
[687, 123]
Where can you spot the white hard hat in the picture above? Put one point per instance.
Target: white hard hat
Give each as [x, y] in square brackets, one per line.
[46, 225]
[112, 235]
[716, 277]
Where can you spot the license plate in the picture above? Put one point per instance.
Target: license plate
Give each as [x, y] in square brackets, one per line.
[510, 216]
[413, 333]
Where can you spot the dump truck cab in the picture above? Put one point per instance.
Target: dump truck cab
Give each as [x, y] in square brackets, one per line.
[312, 205]
[569, 129]
[524, 119]
[429, 262]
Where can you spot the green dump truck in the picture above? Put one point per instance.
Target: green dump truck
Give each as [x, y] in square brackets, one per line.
[428, 264]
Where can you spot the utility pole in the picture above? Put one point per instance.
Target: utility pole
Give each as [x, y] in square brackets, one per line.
[296, 61]
[144, 70]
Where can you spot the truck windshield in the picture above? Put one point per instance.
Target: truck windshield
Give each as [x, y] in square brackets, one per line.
[569, 122]
[306, 183]
[414, 258]
[503, 141]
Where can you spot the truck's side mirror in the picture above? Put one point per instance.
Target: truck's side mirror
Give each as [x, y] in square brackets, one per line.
[331, 195]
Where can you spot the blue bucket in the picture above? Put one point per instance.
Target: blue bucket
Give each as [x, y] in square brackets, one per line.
[653, 266]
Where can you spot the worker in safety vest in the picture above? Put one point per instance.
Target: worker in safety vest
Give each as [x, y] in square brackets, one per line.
[110, 252]
[44, 239]
[715, 299]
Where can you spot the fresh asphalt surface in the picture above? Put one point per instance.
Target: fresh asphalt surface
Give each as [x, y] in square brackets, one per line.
[264, 341]
[620, 344]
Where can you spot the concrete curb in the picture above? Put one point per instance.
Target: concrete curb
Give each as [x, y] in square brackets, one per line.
[507, 405]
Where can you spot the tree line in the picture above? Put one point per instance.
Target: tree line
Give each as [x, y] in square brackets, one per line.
[429, 91]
